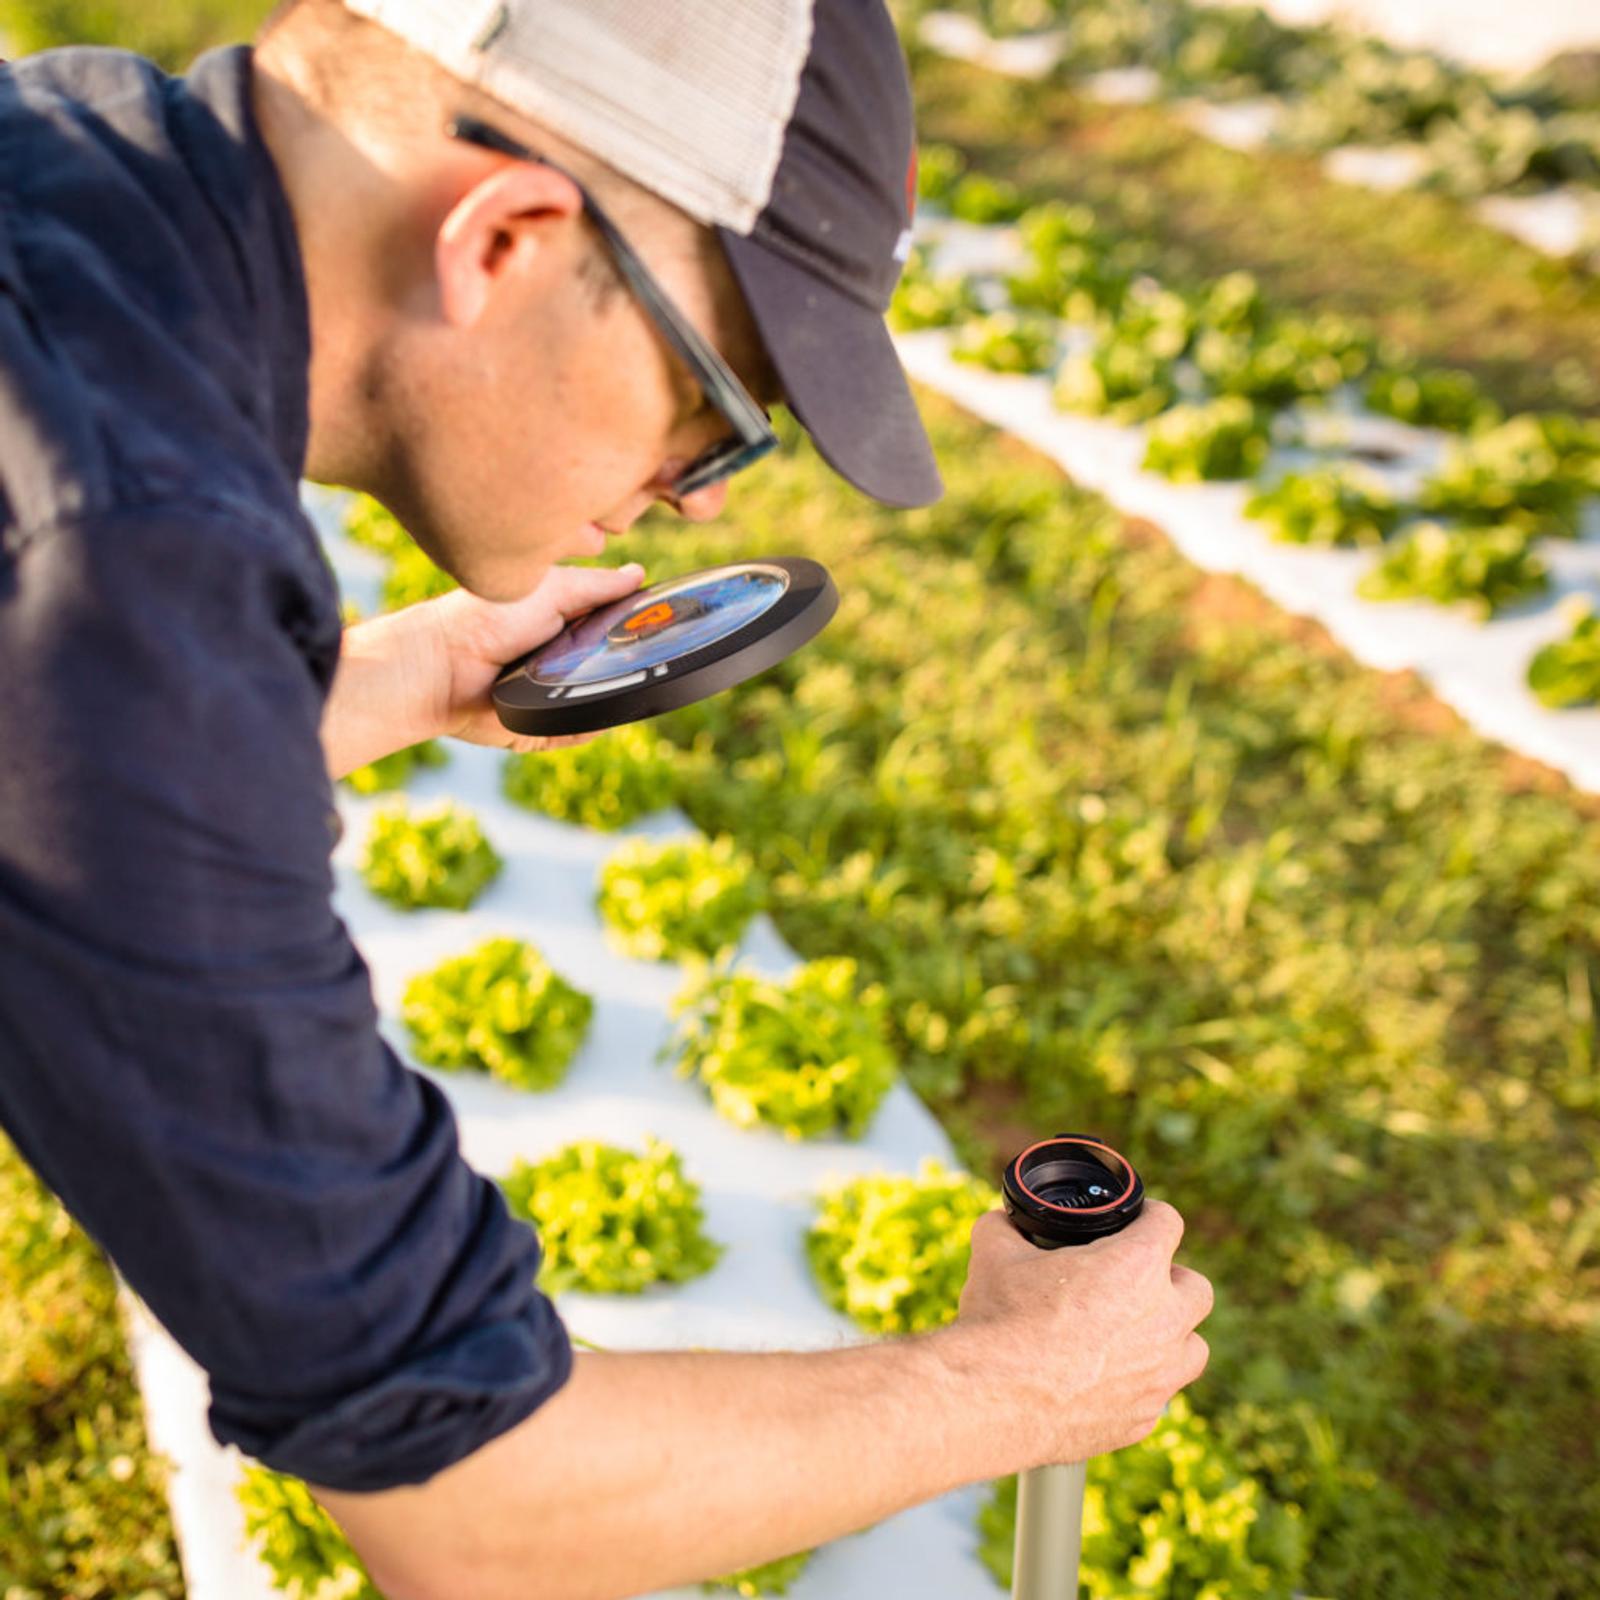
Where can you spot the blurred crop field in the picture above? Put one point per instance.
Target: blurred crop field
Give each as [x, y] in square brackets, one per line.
[1130, 850]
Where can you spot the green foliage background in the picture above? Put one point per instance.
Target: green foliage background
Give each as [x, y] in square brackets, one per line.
[172, 32]
[83, 1513]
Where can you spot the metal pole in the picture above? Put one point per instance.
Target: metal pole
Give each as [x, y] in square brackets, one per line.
[1049, 1532]
[1059, 1193]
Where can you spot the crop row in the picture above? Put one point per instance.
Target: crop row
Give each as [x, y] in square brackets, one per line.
[890, 1251]
[808, 1056]
[1220, 377]
[1473, 134]
[1118, 864]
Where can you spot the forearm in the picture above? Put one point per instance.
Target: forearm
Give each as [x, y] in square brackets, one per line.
[385, 695]
[655, 1469]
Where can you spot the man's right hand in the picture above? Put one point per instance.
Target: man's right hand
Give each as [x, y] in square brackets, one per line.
[652, 1469]
[1093, 1340]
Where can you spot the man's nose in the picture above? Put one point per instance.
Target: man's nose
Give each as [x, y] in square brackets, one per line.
[704, 504]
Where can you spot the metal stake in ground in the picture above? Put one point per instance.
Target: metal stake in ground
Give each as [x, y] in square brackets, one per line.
[1060, 1192]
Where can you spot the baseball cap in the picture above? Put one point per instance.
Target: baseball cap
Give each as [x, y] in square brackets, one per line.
[785, 125]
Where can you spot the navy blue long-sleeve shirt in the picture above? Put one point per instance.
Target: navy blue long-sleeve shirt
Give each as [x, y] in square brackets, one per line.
[189, 1052]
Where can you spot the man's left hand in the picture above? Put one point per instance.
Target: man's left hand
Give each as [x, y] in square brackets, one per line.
[426, 672]
[479, 637]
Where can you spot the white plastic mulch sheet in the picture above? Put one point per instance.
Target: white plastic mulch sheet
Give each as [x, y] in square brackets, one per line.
[1478, 668]
[1490, 34]
[758, 1187]
[1558, 222]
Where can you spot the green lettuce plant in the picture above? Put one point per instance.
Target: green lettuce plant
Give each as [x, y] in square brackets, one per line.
[394, 771]
[1233, 304]
[1372, 93]
[925, 299]
[1159, 319]
[300, 1545]
[939, 169]
[1481, 569]
[1005, 341]
[608, 783]
[612, 1220]
[976, 197]
[1567, 671]
[1226, 439]
[1228, 52]
[1077, 284]
[891, 1250]
[1173, 1517]
[1575, 441]
[500, 1009]
[1120, 378]
[374, 528]
[1071, 269]
[437, 857]
[1511, 473]
[772, 1577]
[411, 578]
[1292, 358]
[1492, 148]
[1056, 225]
[1439, 398]
[1335, 505]
[807, 1055]
[662, 898]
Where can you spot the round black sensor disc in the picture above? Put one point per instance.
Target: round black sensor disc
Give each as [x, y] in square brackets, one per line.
[667, 646]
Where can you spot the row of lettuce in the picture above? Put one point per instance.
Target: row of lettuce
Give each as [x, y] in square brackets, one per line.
[1219, 378]
[1473, 133]
[1124, 854]
[809, 1056]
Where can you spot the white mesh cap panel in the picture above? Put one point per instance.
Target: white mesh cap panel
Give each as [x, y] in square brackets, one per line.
[689, 98]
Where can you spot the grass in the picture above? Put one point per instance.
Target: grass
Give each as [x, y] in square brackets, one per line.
[83, 1513]
[1455, 291]
[1130, 851]
[171, 32]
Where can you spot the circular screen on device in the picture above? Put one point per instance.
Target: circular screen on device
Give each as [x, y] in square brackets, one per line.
[671, 621]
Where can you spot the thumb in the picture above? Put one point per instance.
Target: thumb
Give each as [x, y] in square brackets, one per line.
[993, 1235]
[574, 590]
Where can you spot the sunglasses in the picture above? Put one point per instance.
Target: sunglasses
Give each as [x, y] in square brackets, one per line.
[752, 436]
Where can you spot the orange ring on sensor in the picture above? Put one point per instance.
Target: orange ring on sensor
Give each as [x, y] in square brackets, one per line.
[1076, 1211]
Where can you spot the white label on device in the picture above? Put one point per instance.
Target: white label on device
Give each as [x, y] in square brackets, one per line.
[607, 685]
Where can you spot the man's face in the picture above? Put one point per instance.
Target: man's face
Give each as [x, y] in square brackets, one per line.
[546, 428]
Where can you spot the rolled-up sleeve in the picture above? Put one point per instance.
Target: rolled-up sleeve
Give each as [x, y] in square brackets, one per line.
[189, 1051]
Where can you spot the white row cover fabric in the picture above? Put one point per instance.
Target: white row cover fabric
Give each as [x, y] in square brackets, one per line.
[1559, 222]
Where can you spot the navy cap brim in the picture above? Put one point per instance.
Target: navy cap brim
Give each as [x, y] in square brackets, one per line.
[841, 376]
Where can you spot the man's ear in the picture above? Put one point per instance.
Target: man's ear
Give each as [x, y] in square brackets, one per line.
[516, 220]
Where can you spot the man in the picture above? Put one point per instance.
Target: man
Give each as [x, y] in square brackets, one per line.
[519, 271]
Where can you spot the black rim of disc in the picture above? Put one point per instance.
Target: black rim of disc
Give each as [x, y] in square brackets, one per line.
[796, 617]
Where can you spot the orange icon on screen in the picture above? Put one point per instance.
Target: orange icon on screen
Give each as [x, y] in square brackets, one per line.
[656, 616]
